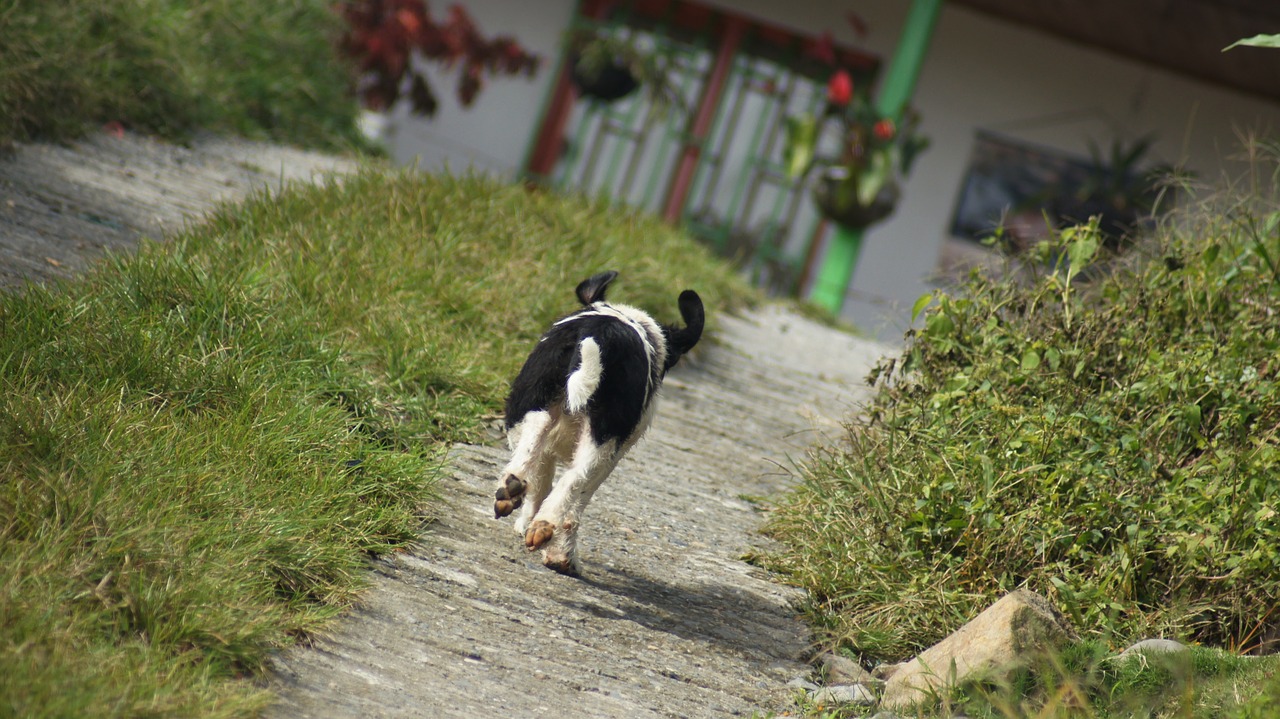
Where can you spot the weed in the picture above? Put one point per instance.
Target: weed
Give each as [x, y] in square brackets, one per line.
[1110, 441]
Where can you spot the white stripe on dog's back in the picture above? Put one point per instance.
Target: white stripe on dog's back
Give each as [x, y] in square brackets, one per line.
[646, 329]
[631, 317]
[586, 379]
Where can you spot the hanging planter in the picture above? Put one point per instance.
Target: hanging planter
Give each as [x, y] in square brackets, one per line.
[606, 68]
[861, 185]
[608, 82]
[837, 200]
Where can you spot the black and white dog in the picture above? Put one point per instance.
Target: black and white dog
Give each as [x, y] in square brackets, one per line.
[586, 394]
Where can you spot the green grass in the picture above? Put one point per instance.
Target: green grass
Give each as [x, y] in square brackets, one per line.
[1085, 681]
[1108, 439]
[168, 67]
[203, 443]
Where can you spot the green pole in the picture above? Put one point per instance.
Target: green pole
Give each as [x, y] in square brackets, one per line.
[841, 258]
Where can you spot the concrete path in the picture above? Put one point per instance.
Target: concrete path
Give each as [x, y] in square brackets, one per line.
[61, 207]
[667, 621]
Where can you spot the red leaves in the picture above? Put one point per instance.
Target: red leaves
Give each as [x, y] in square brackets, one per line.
[840, 88]
[384, 36]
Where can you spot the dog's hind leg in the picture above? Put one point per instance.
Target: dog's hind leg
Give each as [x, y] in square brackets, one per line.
[554, 529]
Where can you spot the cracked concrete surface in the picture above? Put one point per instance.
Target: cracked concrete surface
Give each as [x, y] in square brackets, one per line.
[667, 620]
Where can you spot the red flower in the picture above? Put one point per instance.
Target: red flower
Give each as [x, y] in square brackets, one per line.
[409, 21]
[840, 88]
[884, 129]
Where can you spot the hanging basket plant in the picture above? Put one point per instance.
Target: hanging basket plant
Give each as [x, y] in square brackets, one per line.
[611, 81]
[860, 184]
[838, 200]
[606, 67]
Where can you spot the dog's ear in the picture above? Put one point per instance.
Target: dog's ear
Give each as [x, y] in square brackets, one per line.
[681, 340]
[592, 289]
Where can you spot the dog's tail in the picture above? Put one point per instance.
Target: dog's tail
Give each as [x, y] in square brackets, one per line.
[681, 340]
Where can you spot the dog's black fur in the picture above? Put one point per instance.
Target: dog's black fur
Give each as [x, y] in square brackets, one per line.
[618, 405]
[602, 367]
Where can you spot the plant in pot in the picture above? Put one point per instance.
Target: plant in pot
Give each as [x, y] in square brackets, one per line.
[1117, 189]
[860, 184]
[607, 67]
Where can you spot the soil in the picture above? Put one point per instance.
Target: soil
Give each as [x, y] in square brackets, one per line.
[667, 620]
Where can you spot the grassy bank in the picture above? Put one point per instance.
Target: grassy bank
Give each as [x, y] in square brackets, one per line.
[257, 69]
[1108, 439]
[204, 442]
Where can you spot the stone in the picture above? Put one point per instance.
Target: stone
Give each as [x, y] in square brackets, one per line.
[1154, 646]
[884, 671]
[1019, 626]
[843, 670]
[802, 683]
[844, 694]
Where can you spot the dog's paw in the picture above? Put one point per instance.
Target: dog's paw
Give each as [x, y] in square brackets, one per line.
[509, 496]
[560, 562]
[540, 532]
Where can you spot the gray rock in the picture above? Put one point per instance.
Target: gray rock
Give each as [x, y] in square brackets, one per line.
[1154, 646]
[844, 694]
[843, 670]
[802, 683]
[884, 671]
[1004, 636]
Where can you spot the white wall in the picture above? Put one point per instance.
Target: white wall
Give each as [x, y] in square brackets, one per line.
[981, 74]
[493, 134]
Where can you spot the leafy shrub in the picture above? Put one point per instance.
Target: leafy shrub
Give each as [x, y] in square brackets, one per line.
[1111, 444]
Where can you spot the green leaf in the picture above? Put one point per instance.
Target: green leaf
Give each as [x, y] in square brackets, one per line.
[875, 177]
[1271, 223]
[802, 138]
[921, 303]
[1054, 357]
[1256, 41]
[1080, 252]
[1030, 360]
[1191, 414]
[939, 325]
[1210, 254]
